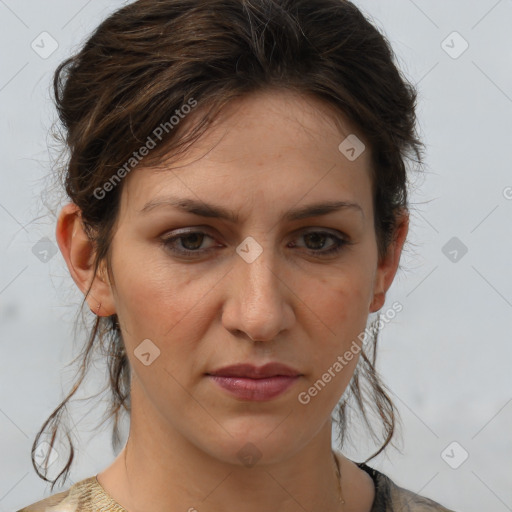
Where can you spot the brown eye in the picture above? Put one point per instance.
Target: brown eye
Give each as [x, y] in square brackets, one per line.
[188, 244]
[316, 241]
[193, 241]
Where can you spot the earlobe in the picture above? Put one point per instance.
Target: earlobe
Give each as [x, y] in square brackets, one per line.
[78, 252]
[388, 266]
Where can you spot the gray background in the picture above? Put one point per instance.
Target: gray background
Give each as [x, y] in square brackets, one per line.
[446, 356]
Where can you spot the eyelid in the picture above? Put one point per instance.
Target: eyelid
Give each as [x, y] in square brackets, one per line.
[206, 230]
[339, 239]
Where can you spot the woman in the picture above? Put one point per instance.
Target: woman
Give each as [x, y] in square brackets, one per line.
[238, 208]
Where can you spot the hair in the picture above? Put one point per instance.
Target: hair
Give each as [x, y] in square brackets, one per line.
[151, 57]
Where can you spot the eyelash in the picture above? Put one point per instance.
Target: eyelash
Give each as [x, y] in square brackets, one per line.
[169, 243]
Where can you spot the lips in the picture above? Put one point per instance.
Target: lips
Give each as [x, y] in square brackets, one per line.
[254, 372]
[252, 383]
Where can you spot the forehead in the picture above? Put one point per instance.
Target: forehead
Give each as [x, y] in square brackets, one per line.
[273, 145]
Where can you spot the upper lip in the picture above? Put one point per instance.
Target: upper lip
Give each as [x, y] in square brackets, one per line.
[256, 372]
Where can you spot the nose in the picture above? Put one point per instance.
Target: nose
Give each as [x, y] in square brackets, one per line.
[258, 302]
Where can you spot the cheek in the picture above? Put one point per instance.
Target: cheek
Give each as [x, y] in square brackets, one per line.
[340, 301]
[171, 310]
[155, 299]
[339, 312]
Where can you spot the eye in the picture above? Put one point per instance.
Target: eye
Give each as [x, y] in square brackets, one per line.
[188, 243]
[316, 240]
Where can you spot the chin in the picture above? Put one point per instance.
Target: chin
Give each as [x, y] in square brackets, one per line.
[257, 440]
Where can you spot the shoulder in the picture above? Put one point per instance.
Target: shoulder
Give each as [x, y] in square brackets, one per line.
[70, 500]
[406, 500]
[390, 497]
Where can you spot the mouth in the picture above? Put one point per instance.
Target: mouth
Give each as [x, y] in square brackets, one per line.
[249, 382]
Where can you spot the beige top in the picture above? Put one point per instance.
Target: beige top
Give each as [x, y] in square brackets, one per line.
[89, 496]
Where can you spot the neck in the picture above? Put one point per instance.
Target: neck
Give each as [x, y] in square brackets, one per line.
[160, 470]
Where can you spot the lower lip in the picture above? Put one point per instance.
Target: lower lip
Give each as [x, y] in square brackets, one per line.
[257, 390]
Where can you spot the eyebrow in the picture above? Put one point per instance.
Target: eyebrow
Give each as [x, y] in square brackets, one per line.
[203, 209]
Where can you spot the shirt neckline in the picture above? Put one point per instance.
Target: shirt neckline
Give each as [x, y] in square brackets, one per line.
[382, 498]
[103, 498]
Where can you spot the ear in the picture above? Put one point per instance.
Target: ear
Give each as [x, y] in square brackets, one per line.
[78, 251]
[388, 266]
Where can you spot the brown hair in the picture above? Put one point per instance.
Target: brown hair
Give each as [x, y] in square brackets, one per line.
[151, 57]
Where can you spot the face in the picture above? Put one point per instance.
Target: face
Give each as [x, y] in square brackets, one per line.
[265, 285]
